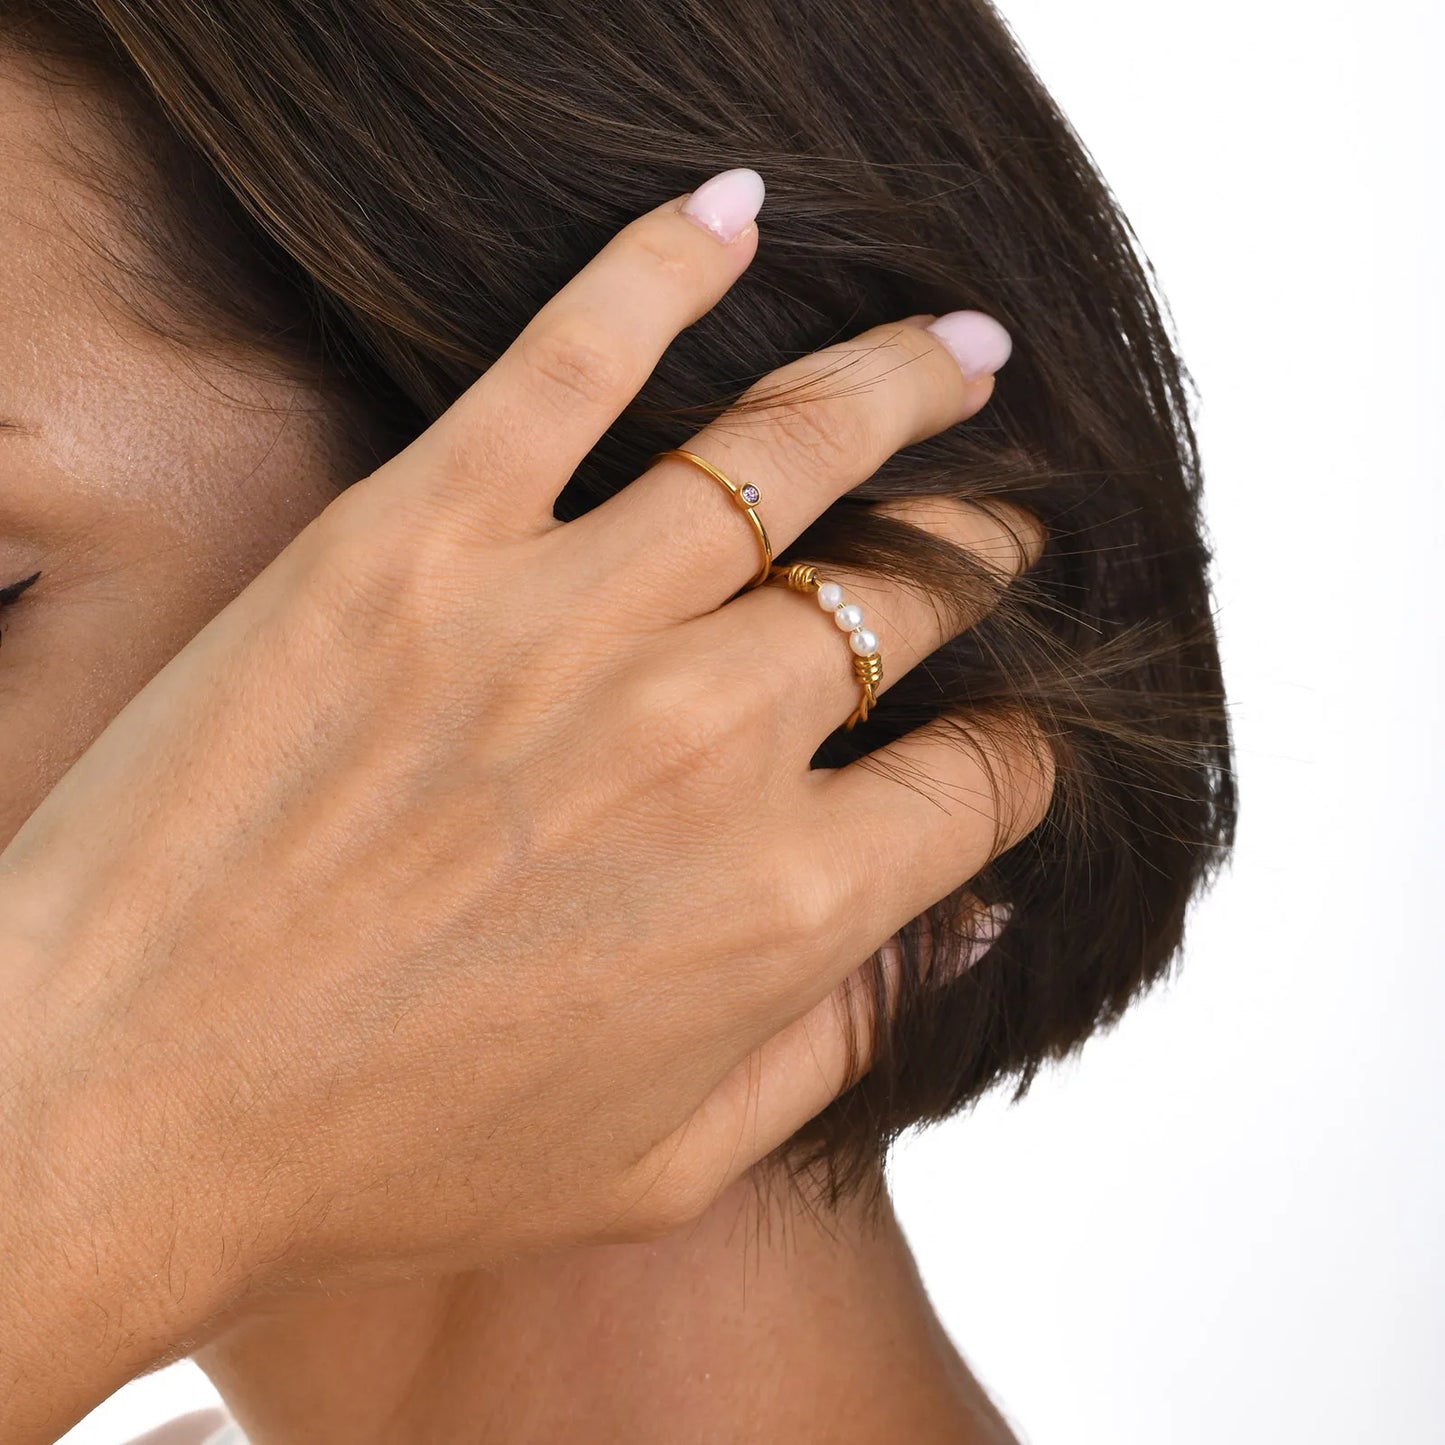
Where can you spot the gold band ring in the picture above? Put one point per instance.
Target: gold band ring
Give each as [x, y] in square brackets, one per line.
[867, 664]
[747, 497]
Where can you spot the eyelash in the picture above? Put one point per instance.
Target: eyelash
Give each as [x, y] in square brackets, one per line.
[9, 594]
[13, 591]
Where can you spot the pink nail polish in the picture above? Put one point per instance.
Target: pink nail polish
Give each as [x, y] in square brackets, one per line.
[977, 342]
[991, 922]
[725, 204]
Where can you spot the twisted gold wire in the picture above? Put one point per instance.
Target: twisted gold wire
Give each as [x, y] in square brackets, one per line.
[869, 672]
[803, 577]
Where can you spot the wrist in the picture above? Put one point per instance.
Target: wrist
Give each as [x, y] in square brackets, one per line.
[105, 1269]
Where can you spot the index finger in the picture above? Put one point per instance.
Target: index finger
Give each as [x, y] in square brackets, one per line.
[503, 451]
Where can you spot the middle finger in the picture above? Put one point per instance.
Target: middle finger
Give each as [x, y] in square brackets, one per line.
[811, 431]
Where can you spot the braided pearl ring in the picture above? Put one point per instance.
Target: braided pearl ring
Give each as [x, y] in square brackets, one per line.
[867, 664]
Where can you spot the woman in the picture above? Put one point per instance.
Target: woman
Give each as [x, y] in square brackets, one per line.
[259, 248]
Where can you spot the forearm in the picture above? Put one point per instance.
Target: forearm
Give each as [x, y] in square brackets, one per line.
[70, 1331]
[99, 1271]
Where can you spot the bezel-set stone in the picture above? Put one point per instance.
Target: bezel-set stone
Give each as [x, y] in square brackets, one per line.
[750, 494]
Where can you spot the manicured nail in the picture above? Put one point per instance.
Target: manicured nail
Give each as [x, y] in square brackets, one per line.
[978, 343]
[991, 922]
[725, 204]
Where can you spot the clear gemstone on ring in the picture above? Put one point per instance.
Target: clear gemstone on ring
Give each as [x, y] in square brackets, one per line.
[750, 494]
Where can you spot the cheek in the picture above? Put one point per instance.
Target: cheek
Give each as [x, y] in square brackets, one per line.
[139, 546]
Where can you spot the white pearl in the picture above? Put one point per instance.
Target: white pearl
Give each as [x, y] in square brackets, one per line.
[849, 616]
[863, 642]
[830, 596]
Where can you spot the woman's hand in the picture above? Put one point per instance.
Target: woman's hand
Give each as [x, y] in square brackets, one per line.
[462, 888]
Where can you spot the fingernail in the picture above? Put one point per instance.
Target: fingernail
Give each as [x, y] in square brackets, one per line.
[978, 343]
[991, 922]
[725, 204]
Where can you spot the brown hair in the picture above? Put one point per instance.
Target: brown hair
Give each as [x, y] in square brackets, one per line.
[382, 192]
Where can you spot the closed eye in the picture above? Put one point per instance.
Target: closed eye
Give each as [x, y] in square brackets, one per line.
[10, 593]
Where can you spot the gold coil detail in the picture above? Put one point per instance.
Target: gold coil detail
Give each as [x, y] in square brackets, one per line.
[869, 669]
[800, 576]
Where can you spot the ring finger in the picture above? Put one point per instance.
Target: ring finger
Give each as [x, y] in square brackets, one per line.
[805, 656]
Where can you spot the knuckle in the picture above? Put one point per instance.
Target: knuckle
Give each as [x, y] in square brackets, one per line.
[657, 254]
[381, 565]
[375, 581]
[1018, 536]
[825, 435]
[1032, 535]
[1040, 773]
[1005, 537]
[579, 360]
[660, 1196]
[680, 1197]
[688, 724]
[1027, 767]
[808, 904]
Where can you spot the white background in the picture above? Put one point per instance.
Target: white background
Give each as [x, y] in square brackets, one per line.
[1225, 1221]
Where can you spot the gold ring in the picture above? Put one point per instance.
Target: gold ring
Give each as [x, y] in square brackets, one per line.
[862, 641]
[747, 497]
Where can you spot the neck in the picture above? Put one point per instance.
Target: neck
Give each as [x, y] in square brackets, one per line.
[765, 1323]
